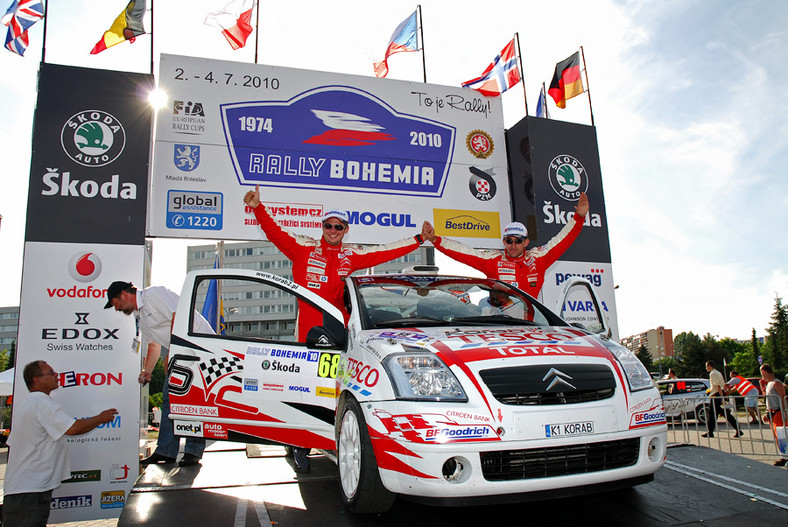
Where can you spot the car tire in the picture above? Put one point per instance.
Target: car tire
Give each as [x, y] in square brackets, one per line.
[359, 480]
[702, 413]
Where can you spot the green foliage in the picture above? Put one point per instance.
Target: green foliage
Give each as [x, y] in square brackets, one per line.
[157, 378]
[690, 354]
[154, 400]
[644, 355]
[4, 363]
[777, 339]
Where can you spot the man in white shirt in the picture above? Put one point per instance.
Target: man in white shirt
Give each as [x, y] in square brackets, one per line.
[716, 393]
[38, 457]
[154, 307]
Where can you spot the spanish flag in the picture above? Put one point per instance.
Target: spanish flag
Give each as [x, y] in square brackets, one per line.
[127, 26]
[566, 81]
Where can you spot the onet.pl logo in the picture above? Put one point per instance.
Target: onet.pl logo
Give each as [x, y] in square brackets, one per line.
[84, 267]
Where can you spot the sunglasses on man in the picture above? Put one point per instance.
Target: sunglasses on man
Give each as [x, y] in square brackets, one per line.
[513, 239]
[336, 226]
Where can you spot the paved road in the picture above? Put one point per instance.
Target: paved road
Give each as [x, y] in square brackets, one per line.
[698, 485]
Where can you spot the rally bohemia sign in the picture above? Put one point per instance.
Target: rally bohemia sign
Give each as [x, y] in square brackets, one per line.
[392, 153]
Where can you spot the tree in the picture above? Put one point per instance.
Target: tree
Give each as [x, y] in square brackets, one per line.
[778, 335]
[690, 354]
[644, 355]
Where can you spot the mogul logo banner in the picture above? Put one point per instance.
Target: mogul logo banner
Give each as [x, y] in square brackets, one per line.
[389, 152]
[89, 169]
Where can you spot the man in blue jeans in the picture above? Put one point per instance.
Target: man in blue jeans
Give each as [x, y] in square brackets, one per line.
[154, 309]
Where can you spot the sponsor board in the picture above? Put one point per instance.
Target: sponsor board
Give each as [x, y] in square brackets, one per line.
[71, 502]
[467, 223]
[319, 138]
[81, 476]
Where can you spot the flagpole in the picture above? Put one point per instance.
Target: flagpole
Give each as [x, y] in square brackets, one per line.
[151, 37]
[220, 259]
[44, 43]
[421, 36]
[588, 88]
[257, 31]
[522, 74]
[544, 94]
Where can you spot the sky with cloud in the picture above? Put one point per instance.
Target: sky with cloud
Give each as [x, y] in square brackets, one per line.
[687, 101]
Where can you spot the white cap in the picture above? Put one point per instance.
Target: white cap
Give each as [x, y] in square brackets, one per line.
[339, 214]
[515, 229]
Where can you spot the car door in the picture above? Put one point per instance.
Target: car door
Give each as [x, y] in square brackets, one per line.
[253, 381]
[579, 305]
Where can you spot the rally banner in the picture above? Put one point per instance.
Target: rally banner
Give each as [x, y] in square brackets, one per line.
[552, 163]
[392, 153]
[93, 350]
[91, 145]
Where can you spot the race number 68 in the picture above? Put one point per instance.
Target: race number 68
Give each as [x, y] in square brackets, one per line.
[327, 365]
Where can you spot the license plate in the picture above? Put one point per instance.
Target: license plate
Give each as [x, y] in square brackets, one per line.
[569, 429]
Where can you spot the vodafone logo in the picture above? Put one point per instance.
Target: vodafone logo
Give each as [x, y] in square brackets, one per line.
[84, 267]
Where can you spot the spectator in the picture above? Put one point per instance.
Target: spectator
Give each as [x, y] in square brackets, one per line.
[154, 309]
[716, 392]
[38, 457]
[747, 390]
[775, 395]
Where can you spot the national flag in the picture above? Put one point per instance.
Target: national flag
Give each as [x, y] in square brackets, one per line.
[566, 81]
[212, 305]
[20, 15]
[541, 106]
[234, 21]
[500, 75]
[403, 39]
[128, 26]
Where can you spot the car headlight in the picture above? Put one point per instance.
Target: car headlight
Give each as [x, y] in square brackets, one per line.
[423, 376]
[637, 374]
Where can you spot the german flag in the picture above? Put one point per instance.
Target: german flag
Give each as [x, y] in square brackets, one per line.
[566, 81]
[127, 26]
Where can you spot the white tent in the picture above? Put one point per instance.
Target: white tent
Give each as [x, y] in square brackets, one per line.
[7, 382]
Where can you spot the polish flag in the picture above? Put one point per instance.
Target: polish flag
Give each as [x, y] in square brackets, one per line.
[234, 21]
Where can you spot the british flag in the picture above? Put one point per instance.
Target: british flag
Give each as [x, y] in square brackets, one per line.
[20, 16]
[499, 76]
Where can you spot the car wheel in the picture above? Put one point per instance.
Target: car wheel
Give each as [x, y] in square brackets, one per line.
[359, 480]
[702, 413]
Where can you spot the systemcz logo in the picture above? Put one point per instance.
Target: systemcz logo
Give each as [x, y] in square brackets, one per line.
[93, 138]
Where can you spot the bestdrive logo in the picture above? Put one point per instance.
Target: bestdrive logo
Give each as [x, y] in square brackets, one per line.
[467, 223]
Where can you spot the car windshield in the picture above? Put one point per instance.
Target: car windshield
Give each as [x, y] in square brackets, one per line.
[429, 300]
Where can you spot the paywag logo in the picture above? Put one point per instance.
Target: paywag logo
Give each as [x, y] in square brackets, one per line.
[360, 145]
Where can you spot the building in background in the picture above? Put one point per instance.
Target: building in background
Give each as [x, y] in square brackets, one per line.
[9, 325]
[659, 342]
[258, 311]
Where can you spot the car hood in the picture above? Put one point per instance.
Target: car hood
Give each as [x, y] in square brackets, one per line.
[462, 344]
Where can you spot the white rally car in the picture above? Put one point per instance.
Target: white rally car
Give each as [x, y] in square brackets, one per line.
[451, 389]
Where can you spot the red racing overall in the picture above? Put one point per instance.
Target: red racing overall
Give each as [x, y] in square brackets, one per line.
[322, 267]
[526, 272]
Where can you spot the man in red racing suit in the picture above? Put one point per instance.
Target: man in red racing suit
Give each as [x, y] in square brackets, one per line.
[514, 264]
[322, 265]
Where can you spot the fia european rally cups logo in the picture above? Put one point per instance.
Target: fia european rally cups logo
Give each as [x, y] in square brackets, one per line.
[93, 138]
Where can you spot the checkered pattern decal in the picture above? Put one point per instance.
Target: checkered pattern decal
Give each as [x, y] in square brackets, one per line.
[216, 368]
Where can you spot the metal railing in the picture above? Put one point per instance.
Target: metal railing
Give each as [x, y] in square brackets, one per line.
[687, 425]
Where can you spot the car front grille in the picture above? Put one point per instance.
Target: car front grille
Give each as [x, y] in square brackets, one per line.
[548, 385]
[507, 465]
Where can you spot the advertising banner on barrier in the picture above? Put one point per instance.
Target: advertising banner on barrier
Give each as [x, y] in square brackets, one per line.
[63, 321]
[552, 163]
[86, 229]
[392, 153]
